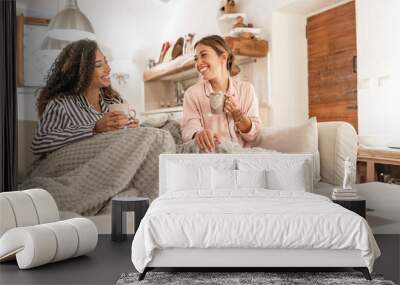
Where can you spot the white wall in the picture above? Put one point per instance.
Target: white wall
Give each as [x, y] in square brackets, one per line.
[130, 32]
[378, 49]
[289, 85]
[288, 96]
[201, 17]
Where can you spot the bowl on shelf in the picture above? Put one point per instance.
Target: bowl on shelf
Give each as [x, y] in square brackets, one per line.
[246, 35]
[245, 32]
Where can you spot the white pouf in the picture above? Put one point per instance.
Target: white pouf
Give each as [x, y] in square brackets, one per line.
[31, 232]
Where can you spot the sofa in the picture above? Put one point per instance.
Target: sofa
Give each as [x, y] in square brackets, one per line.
[330, 142]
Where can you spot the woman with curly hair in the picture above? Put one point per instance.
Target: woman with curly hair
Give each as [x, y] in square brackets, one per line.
[87, 156]
[74, 103]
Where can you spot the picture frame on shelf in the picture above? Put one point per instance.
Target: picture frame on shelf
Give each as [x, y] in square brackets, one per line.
[32, 63]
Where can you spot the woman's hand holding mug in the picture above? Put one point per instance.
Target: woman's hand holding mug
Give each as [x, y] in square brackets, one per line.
[128, 111]
[231, 107]
[111, 121]
[133, 123]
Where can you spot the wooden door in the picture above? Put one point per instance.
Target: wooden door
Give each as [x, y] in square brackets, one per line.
[332, 58]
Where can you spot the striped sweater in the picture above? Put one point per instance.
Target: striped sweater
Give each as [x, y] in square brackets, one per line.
[67, 119]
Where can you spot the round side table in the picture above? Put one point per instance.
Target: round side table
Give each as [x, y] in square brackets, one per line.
[120, 205]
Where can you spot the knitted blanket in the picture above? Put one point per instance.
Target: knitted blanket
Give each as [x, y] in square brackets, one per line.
[84, 176]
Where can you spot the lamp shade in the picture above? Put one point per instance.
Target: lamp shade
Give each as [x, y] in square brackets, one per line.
[71, 24]
[53, 44]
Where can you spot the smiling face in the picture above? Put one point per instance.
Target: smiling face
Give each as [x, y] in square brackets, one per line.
[101, 74]
[209, 63]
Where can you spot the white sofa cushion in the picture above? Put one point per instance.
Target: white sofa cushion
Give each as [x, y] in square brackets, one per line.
[295, 139]
[156, 120]
[337, 141]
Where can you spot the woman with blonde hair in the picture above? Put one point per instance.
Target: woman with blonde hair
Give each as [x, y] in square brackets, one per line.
[239, 122]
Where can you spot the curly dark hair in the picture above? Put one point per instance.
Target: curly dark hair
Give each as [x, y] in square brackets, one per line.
[71, 73]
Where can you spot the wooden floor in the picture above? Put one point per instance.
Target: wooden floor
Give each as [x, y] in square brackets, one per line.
[111, 259]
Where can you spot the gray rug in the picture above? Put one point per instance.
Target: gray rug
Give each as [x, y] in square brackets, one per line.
[243, 278]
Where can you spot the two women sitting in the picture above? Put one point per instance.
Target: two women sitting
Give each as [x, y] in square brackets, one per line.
[89, 155]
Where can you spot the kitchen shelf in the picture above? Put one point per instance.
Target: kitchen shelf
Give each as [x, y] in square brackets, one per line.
[162, 81]
[183, 68]
[163, 71]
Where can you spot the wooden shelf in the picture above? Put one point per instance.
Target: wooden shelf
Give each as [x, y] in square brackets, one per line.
[161, 73]
[247, 47]
[182, 70]
[231, 16]
[160, 82]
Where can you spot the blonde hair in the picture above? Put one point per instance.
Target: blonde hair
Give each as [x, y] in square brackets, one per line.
[219, 45]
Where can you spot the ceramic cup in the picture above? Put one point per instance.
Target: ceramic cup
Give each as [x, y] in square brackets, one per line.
[124, 108]
[217, 101]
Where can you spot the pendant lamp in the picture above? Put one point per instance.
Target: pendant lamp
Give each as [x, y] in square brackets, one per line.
[53, 44]
[70, 24]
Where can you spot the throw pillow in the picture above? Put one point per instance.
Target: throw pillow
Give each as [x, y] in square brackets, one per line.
[294, 179]
[183, 177]
[296, 139]
[156, 120]
[283, 171]
[223, 179]
[251, 178]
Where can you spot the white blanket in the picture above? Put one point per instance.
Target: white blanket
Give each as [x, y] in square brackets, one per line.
[252, 218]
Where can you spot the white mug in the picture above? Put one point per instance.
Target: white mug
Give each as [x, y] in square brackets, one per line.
[217, 101]
[124, 108]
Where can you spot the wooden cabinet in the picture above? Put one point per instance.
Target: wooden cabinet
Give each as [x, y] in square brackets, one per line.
[165, 84]
[374, 163]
